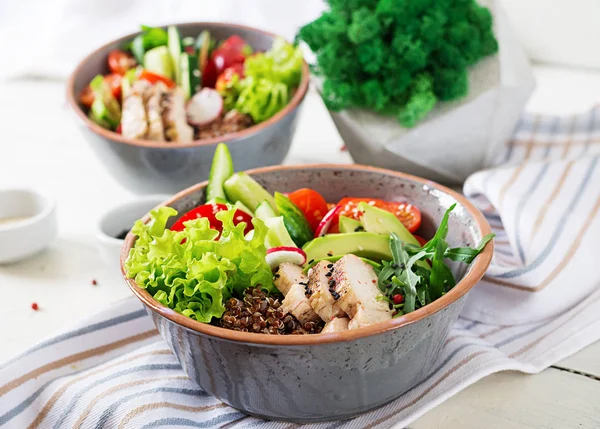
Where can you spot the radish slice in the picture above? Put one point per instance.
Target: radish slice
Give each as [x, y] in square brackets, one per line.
[204, 107]
[278, 255]
[327, 221]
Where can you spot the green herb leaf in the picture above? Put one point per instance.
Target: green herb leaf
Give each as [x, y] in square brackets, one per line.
[438, 276]
[468, 254]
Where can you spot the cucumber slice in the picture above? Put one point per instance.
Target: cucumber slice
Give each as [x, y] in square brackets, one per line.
[220, 171]
[158, 60]
[184, 70]
[264, 211]
[188, 41]
[241, 187]
[190, 76]
[294, 219]
[203, 47]
[175, 51]
[243, 208]
[137, 48]
[277, 235]
[105, 108]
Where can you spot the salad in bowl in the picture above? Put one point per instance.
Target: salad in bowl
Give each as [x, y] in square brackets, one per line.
[282, 263]
[164, 87]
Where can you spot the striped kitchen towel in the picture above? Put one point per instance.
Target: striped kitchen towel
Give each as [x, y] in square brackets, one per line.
[539, 303]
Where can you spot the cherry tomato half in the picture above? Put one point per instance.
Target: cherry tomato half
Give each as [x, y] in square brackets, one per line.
[119, 61]
[154, 77]
[225, 78]
[421, 240]
[312, 204]
[232, 51]
[114, 82]
[409, 215]
[209, 211]
[86, 98]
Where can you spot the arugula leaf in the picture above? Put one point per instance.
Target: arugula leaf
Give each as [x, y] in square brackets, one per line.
[404, 273]
[410, 274]
[467, 254]
[438, 276]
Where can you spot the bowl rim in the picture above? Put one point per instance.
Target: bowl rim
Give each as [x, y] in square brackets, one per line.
[477, 271]
[118, 138]
[48, 205]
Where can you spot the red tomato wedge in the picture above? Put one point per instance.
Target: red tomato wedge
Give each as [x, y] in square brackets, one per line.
[409, 215]
[209, 211]
[154, 77]
[312, 204]
[119, 61]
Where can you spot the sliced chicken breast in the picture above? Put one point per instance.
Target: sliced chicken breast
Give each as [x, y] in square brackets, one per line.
[175, 118]
[296, 303]
[134, 121]
[321, 299]
[356, 284]
[337, 324]
[152, 101]
[287, 275]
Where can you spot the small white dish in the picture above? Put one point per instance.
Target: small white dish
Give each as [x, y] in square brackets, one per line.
[27, 223]
[119, 220]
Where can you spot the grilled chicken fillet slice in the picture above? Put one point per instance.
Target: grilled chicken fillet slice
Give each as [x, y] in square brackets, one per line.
[337, 324]
[296, 303]
[175, 118]
[356, 283]
[152, 100]
[320, 298]
[134, 121]
[287, 275]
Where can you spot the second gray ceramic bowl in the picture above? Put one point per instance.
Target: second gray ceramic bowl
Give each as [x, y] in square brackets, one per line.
[160, 167]
[308, 378]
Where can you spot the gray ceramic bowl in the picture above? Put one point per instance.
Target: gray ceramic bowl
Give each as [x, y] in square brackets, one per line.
[327, 376]
[155, 167]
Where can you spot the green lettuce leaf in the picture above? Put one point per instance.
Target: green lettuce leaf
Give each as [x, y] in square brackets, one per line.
[191, 272]
[282, 63]
[261, 98]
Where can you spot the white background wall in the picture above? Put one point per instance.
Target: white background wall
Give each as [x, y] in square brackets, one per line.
[565, 32]
[49, 36]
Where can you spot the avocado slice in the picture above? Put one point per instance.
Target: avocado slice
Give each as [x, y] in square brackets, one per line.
[379, 221]
[347, 224]
[365, 244]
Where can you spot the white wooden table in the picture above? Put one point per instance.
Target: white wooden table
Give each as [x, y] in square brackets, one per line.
[42, 148]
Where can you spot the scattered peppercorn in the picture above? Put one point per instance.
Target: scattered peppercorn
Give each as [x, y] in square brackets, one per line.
[94, 282]
[329, 254]
[329, 266]
[329, 274]
[359, 229]
[311, 261]
[35, 306]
